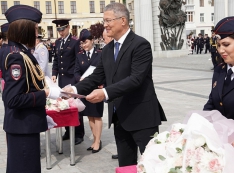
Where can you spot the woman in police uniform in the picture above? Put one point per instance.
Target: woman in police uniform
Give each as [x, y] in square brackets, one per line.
[24, 95]
[222, 93]
[90, 56]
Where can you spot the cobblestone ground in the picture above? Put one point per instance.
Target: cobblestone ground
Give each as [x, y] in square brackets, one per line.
[182, 84]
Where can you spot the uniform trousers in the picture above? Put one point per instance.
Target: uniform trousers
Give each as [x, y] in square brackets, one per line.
[23, 153]
[128, 142]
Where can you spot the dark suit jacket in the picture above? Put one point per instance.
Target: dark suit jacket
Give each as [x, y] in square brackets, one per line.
[129, 83]
[200, 42]
[223, 102]
[64, 61]
[24, 111]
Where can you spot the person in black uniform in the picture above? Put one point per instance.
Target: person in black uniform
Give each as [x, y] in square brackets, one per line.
[222, 92]
[207, 43]
[215, 57]
[24, 94]
[90, 56]
[66, 49]
[199, 43]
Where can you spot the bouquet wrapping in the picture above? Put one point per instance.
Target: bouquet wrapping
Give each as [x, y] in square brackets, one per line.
[202, 144]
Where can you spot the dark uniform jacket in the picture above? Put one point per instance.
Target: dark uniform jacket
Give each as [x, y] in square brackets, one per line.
[82, 64]
[129, 84]
[200, 42]
[24, 111]
[213, 46]
[219, 100]
[64, 61]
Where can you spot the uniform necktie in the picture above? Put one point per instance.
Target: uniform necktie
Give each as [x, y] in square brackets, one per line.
[228, 78]
[62, 45]
[88, 55]
[116, 50]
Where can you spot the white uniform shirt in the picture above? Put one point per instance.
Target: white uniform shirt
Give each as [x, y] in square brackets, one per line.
[42, 55]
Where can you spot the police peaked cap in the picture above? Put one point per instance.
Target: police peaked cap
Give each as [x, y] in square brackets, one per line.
[4, 27]
[17, 12]
[85, 34]
[61, 24]
[39, 36]
[225, 27]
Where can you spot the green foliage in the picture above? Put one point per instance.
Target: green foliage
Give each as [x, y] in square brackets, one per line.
[189, 169]
[161, 157]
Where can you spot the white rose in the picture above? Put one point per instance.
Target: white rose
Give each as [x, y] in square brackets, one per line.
[200, 141]
[62, 105]
[177, 126]
[162, 137]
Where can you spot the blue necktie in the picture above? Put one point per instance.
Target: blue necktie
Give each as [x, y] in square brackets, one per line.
[116, 50]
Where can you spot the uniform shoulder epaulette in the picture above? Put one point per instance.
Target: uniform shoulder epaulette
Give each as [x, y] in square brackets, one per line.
[222, 63]
[81, 52]
[14, 49]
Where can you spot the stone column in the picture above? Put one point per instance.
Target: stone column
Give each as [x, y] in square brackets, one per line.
[230, 8]
[143, 20]
[220, 10]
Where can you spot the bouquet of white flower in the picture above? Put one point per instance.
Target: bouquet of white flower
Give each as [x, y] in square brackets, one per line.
[61, 104]
[196, 147]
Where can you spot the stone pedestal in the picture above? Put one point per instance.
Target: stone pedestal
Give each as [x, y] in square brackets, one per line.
[147, 25]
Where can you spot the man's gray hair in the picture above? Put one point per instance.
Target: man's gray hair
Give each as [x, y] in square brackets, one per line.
[120, 10]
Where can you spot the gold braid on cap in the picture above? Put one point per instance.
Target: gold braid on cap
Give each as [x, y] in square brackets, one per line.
[33, 71]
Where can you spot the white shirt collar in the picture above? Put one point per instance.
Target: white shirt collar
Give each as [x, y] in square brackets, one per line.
[91, 52]
[228, 67]
[65, 39]
[121, 40]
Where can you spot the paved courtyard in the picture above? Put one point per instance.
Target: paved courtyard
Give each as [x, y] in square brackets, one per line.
[182, 85]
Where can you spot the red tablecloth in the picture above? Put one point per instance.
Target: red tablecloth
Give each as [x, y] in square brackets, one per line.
[68, 117]
[126, 169]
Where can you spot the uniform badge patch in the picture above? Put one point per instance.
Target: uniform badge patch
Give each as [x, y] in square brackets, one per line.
[42, 53]
[16, 71]
[82, 62]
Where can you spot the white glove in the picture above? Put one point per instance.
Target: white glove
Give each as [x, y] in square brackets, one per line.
[50, 122]
[55, 93]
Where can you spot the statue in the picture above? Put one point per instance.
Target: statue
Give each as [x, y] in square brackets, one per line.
[172, 22]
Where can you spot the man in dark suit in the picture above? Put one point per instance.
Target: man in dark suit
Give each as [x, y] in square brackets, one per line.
[207, 43]
[200, 43]
[66, 49]
[126, 66]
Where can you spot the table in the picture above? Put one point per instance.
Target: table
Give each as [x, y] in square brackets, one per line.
[68, 117]
[126, 169]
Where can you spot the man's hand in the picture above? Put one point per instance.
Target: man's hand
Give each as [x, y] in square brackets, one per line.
[68, 89]
[96, 96]
[53, 78]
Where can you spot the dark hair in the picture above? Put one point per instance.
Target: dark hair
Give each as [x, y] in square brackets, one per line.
[4, 36]
[22, 31]
[232, 36]
[0, 35]
[90, 37]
